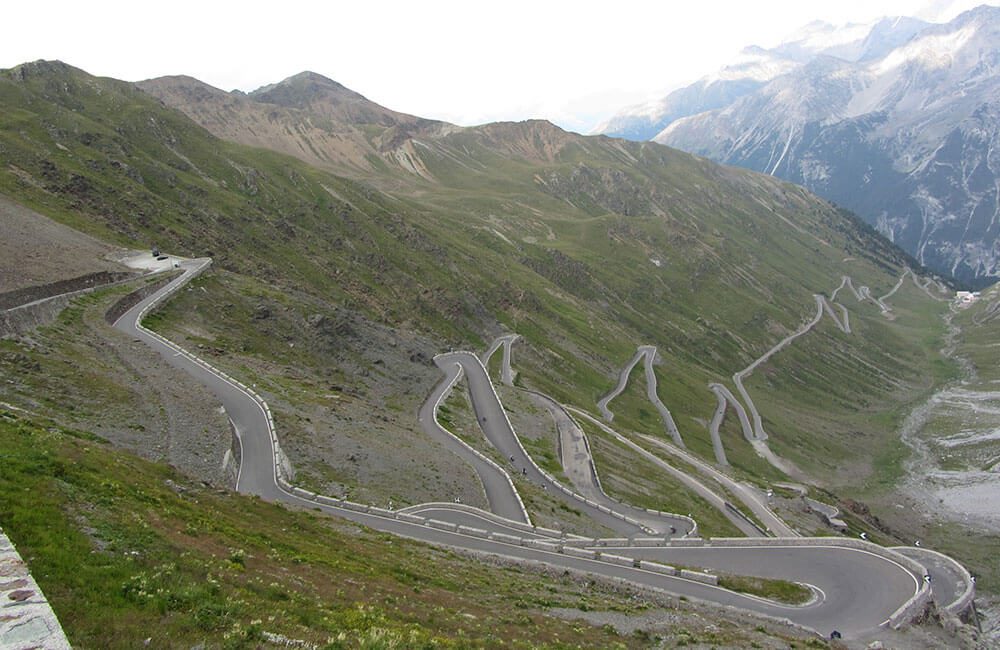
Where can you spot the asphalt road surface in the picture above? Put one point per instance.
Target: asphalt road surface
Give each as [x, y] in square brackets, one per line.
[578, 466]
[948, 578]
[648, 354]
[494, 423]
[500, 491]
[692, 483]
[859, 590]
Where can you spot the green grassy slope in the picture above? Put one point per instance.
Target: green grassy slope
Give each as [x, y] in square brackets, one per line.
[127, 551]
[585, 246]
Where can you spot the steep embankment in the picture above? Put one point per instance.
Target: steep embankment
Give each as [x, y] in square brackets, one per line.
[37, 250]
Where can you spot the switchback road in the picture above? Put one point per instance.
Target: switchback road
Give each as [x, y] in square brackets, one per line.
[859, 586]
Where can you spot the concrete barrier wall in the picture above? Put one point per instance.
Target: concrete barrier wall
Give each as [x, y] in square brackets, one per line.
[542, 545]
[612, 541]
[580, 541]
[964, 600]
[657, 567]
[911, 608]
[506, 539]
[509, 523]
[687, 542]
[474, 532]
[698, 576]
[620, 560]
[550, 532]
[579, 552]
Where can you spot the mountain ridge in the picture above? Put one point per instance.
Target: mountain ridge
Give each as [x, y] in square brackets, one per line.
[332, 291]
[903, 138]
[754, 67]
[921, 111]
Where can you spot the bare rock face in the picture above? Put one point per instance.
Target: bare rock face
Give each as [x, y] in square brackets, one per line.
[307, 115]
[899, 125]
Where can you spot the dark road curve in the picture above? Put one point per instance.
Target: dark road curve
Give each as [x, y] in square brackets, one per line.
[847, 582]
[500, 491]
[496, 426]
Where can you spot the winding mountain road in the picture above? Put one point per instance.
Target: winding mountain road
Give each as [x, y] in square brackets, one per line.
[578, 465]
[648, 354]
[743, 492]
[859, 586]
[497, 484]
[691, 482]
[758, 426]
[498, 430]
[507, 373]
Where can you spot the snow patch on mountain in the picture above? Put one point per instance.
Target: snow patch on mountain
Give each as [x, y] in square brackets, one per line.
[908, 139]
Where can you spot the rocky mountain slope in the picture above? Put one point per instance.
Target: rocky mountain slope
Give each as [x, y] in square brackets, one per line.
[333, 287]
[586, 246]
[307, 116]
[755, 67]
[902, 131]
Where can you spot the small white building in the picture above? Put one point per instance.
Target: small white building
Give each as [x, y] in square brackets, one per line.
[966, 298]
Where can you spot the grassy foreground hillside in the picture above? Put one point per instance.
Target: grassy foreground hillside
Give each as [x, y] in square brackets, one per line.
[131, 552]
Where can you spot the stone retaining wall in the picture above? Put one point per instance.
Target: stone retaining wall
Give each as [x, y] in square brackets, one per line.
[134, 298]
[12, 299]
[25, 319]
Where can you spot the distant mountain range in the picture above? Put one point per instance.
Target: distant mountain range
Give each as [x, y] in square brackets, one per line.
[307, 115]
[897, 121]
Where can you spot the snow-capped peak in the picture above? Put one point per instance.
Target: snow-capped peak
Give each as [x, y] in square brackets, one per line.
[753, 63]
[931, 51]
[818, 37]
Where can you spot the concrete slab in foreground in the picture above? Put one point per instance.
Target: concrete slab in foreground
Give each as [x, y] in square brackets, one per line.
[26, 620]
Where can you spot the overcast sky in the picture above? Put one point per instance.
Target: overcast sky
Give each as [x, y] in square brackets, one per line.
[466, 62]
